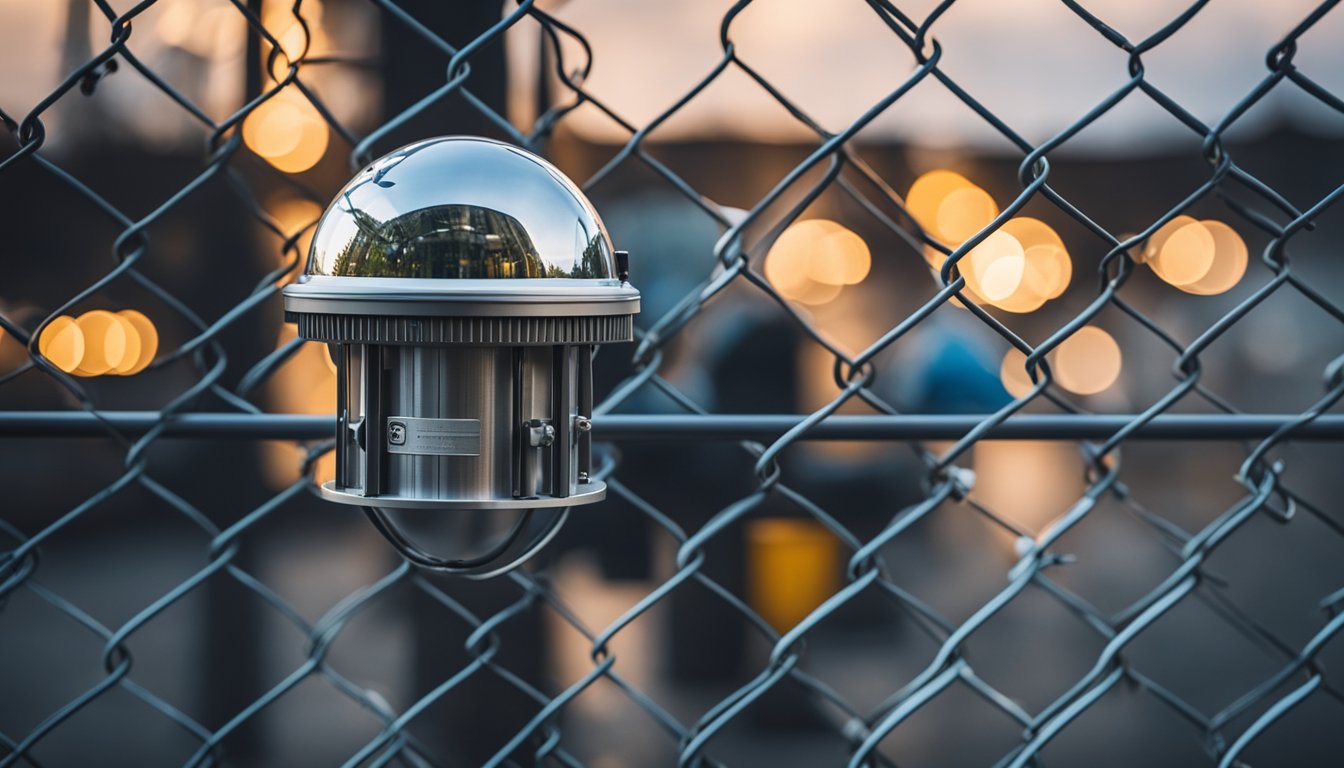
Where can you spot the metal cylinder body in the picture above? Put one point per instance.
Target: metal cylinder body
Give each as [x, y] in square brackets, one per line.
[449, 422]
[478, 426]
[462, 285]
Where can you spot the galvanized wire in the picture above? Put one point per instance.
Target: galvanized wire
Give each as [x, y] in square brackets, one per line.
[834, 164]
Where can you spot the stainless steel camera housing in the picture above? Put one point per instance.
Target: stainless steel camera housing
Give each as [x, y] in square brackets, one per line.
[462, 284]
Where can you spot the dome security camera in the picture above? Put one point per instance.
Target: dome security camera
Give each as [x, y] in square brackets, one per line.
[463, 285]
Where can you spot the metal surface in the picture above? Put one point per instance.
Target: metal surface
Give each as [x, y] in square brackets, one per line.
[461, 208]
[585, 494]
[463, 227]
[497, 331]
[433, 436]
[452, 383]
[461, 298]
[1277, 702]
[717, 427]
[457, 275]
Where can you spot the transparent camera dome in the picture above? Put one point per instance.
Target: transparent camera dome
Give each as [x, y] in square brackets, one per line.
[461, 208]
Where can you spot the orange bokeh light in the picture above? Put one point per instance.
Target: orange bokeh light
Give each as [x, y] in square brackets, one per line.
[928, 193]
[148, 337]
[105, 342]
[812, 260]
[131, 354]
[1049, 268]
[963, 213]
[1013, 373]
[62, 342]
[996, 266]
[306, 383]
[1087, 362]
[1230, 258]
[1186, 255]
[287, 131]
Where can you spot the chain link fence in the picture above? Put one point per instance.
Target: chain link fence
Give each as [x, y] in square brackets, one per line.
[186, 607]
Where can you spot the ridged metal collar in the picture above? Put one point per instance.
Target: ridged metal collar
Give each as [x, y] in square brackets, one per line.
[457, 331]
[461, 298]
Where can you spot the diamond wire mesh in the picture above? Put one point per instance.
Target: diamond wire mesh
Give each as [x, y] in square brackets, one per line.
[833, 164]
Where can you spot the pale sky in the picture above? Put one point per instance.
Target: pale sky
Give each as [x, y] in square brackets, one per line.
[1031, 61]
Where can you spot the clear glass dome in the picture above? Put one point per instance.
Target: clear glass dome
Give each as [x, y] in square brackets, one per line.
[461, 207]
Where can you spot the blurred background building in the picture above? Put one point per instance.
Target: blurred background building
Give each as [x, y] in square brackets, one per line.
[1034, 65]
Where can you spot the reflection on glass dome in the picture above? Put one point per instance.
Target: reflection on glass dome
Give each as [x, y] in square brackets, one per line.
[461, 208]
[454, 241]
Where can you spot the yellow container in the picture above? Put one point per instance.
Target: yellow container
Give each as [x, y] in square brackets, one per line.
[793, 565]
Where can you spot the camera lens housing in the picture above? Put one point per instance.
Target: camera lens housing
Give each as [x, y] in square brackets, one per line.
[463, 285]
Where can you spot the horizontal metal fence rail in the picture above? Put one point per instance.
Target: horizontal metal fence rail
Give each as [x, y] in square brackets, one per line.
[719, 426]
[833, 163]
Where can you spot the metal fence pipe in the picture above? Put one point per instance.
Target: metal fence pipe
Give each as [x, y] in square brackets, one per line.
[719, 427]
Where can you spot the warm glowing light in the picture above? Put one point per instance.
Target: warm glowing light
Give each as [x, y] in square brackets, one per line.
[1049, 268]
[175, 25]
[934, 258]
[217, 32]
[816, 294]
[292, 43]
[131, 354]
[62, 342]
[1186, 256]
[963, 213]
[303, 384]
[1013, 373]
[148, 337]
[786, 266]
[1087, 362]
[997, 266]
[104, 342]
[1200, 257]
[312, 146]
[812, 260]
[271, 130]
[839, 255]
[1159, 238]
[1229, 261]
[220, 33]
[287, 131]
[1024, 299]
[1029, 482]
[280, 20]
[1001, 278]
[969, 293]
[1135, 252]
[294, 215]
[927, 194]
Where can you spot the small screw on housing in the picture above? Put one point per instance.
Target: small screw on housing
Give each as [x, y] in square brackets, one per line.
[540, 434]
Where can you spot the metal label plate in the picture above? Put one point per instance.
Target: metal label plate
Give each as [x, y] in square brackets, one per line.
[433, 437]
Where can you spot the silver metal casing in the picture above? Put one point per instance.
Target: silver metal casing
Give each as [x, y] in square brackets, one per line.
[462, 285]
